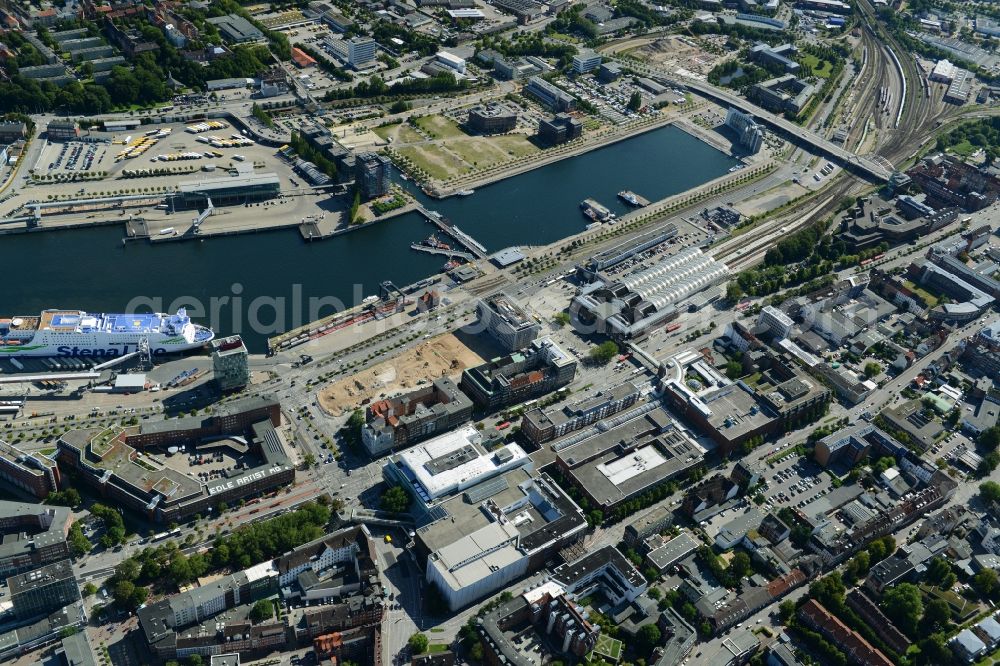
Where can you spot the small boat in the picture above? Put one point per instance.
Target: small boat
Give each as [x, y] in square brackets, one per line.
[465, 193]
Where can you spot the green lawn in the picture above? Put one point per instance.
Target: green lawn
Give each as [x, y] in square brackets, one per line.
[820, 68]
[610, 649]
[436, 647]
[964, 148]
[930, 298]
[386, 130]
[440, 127]
[476, 152]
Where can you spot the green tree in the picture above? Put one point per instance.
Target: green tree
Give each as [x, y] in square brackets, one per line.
[936, 614]
[194, 660]
[739, 566]
[89, 589]
[904, 606]
[561, 319]
[786, 610]
[604, 352]
[262, 610]
[635, 101]
[985, 582]
[872, 369]
[989, 439]
[934, 651]
[418, 643]
[734, 291]
[355, 205]
[69, 497]
[990, 490]
[309, 460]
[395, 499]
[648, 637]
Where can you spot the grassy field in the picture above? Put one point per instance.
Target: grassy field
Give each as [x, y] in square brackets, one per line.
[433, 159]
[964, 149]
[820, 68]
[440, 127]
[476, 152]
[517, 145]
[399, 132]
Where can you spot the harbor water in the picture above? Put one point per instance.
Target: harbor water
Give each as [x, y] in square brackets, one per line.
[260, 284]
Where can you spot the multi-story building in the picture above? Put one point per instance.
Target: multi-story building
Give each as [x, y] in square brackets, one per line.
[783, 94]
[494, 532]
[507, 321]
[539, 369]
[749, 134]
[492, 119]
[42, 591]
[107, 460]
[586, 61]
[371, 174]
[642, 449]
[652, 523]
[230, 363]
[358, 52]
[776, 321]
[32, 536]
[11, 131]
[408, 418]
[560, 129]
[776, 55]
[860, 651]
[30, 472]
[548, 94]
[542, 426]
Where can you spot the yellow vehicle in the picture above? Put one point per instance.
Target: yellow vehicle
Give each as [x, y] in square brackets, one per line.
[388, 538]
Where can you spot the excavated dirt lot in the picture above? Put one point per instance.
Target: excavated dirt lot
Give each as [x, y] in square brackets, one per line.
[442, 356]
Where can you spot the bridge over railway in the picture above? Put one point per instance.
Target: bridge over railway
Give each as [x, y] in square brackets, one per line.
[861, 166]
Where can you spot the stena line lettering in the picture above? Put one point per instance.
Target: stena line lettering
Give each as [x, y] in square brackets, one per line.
[84, 352]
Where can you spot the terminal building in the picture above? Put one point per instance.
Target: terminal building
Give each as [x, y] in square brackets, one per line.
[507, 321]
[117, 463]
[31, 472]
[394, 423]
[627, 456]
[627, 308]
[32, 536]
[537, 370]
[230, 191]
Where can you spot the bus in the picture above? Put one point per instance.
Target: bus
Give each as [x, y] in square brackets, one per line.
[165, 535]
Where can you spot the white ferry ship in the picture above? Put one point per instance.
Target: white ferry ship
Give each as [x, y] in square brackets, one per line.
[77, 333]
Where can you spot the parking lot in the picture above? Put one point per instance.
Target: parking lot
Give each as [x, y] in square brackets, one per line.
[794, 481]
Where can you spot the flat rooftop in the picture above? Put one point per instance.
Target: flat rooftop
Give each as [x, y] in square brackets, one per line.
[618, 463]
[455, 461]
